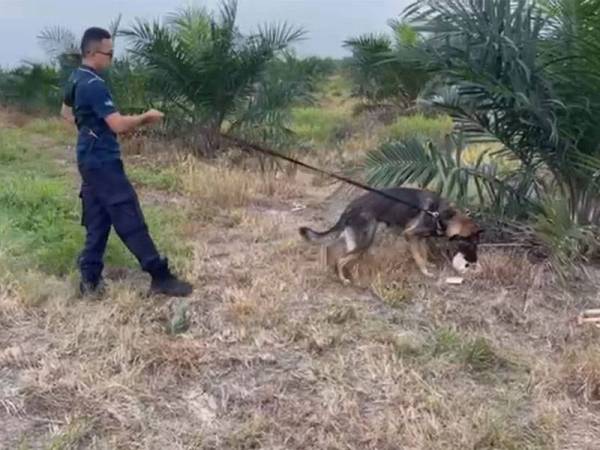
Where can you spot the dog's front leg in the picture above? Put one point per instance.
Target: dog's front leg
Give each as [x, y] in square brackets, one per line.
[424, 251]
[415, 246]
[341, 264]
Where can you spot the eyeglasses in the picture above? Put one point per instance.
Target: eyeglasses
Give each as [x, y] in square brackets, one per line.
[109, 54]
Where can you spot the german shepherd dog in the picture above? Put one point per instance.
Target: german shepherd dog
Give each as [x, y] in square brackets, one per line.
[358, 224]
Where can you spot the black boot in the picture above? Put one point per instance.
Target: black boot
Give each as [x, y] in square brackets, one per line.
[164, 282]
[92, 289]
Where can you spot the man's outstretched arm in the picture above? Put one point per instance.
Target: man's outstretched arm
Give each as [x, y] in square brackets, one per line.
[122, 124]
[98, 97]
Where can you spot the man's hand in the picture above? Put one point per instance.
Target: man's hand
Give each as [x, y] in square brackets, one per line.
[67, 114]
[152, 116]
[124, 124]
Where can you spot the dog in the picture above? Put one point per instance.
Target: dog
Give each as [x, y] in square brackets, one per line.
[428, 216]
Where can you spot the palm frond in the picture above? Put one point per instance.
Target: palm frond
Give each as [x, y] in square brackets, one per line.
[114, 27]
[57, 41]
[280, 36]
[424, 164]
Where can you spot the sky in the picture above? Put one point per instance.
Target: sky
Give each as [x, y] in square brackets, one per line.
[327, 22]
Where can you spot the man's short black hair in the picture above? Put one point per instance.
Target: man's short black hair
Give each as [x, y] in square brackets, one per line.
[93, 36]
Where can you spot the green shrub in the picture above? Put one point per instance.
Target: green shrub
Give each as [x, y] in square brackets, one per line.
[569, 242]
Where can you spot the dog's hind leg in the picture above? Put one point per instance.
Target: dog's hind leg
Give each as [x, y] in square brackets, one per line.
[343, 262]
[358, 242]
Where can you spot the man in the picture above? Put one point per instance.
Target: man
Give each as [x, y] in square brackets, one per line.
[108, 198]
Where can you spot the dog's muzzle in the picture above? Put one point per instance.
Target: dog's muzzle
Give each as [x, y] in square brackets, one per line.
[459, 263]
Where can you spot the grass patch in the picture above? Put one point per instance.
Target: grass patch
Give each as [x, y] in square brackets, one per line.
[395, 293]
[225, 187]
[336, 86]
[166, 227]
[581, 374]
[444, 341]
[406, 345]
[164, 179]
[73, 436]
[419, 126]
[508, 433]
[56, 129]
[475, 354]
[19, 156]
[40, 224]
[318, 126]
[478, 355]
[40, 213]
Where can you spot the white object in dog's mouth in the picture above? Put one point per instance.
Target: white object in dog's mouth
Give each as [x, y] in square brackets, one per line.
[459, 263]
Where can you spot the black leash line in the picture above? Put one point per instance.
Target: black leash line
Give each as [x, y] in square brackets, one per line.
[342, 178]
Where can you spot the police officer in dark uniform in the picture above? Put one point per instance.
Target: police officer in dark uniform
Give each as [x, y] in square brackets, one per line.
[108, 198]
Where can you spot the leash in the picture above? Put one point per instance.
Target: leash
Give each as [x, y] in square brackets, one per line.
[275, 154]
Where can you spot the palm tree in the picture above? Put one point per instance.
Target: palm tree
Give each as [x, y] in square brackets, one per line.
[384, 69]
[31, 87]
[525, 77]
[40, 85]
[62, 47]
[209, 75]
[573, 45]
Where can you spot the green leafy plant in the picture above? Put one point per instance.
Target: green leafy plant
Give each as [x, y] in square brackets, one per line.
[505, 73]
[210, 76]
[571, 243]
[385, 69]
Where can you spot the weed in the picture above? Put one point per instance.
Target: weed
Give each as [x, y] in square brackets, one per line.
[395, 293]
[71, 437]
[445, 341]
[478, 355]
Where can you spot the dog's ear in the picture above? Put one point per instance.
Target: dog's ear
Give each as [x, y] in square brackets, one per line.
[461, 226]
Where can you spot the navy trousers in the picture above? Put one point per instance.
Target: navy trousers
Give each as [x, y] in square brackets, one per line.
[109, 200]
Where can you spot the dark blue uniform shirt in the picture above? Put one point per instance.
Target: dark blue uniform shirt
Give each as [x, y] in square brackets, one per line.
[88, 96]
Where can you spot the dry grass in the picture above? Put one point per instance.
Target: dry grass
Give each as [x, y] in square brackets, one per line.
[273, 352]
[12, 118]
[275, 357]
[230, 187]
[506, 268]
[581, 374]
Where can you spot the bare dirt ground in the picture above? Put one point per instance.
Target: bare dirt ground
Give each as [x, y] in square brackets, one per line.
[279, 355]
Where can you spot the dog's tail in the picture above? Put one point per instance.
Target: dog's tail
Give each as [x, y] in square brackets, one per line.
[323, 237]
